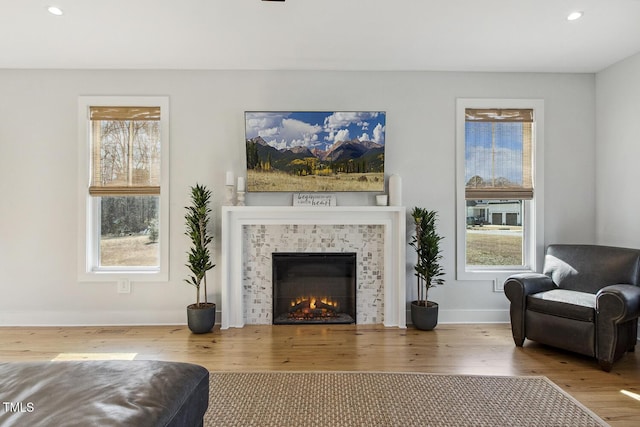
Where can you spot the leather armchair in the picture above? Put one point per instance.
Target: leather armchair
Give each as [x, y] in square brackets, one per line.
[587, 300]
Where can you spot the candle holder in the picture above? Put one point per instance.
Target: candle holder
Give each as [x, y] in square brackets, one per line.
[240, 198]
[229, 195]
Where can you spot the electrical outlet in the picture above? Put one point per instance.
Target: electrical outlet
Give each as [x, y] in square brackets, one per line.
[498, 285]
[124, 286]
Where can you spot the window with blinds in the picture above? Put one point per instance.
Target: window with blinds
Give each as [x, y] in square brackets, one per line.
[499, 187]
[124, 176]
[125, 152]
[498, 154]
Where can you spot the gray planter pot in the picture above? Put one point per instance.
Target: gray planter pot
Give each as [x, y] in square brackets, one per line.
[201, 319]
[423, 317]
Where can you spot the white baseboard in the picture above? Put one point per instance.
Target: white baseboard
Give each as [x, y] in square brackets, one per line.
[469, 316]
[178, 317]
[94, 318]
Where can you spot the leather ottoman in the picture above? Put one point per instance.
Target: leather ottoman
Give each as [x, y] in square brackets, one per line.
[103, 393]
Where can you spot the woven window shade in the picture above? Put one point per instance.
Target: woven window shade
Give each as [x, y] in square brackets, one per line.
[125, 147]
[498, 154]
[124, 113]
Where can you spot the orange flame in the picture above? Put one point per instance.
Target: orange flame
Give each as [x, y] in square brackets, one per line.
[313, 301]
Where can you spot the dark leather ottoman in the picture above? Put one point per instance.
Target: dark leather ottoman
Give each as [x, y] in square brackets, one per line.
[103, 393]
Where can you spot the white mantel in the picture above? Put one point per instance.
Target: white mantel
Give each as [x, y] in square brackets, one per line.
[393, 218]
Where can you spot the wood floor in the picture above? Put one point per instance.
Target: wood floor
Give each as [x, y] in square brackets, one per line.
[451, 349]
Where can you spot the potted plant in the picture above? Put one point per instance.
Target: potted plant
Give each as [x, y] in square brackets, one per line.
[426, 242]
[201, 316]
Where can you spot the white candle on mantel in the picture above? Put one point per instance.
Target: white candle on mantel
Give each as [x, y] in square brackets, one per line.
[229, 178]
[395, 190]
[240, 183]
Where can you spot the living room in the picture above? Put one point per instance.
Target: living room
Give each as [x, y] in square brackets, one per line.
[588, 162]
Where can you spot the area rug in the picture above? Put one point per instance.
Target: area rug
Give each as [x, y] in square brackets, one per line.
[389, 399]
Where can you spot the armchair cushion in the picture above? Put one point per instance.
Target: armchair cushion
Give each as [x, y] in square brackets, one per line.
[563, 303]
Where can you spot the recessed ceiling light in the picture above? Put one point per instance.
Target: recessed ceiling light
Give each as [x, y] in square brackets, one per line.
[574, 15]
[55, 10]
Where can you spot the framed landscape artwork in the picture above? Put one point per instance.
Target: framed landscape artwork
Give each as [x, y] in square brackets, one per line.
[315, 151]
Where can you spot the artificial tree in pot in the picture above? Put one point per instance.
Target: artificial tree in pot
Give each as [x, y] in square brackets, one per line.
[428, 271]
[200, 315]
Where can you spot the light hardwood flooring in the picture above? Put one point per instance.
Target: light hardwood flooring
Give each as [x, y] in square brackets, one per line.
[478, 349]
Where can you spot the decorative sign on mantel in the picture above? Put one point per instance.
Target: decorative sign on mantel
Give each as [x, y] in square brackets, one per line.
[313, 199]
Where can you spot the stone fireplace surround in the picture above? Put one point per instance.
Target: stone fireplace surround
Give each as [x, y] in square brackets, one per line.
[366, 241]
[251, 233]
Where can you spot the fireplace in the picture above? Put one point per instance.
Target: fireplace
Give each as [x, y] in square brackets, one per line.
[316, 287]
[250, 234]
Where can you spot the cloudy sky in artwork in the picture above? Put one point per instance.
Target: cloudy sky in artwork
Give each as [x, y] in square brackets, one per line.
[315, 129]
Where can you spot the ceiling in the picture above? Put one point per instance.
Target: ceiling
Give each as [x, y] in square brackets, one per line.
[438, 35]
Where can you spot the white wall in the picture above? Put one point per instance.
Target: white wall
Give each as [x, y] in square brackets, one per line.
[38, 172]
[618, 154]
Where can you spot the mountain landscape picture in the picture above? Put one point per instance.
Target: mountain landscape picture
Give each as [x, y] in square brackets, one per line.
[315, 151]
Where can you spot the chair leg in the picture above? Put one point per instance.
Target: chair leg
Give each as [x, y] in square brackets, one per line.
[606, 366]
[519, 341]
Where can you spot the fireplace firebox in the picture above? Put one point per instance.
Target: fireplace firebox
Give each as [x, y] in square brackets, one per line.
[316, 287]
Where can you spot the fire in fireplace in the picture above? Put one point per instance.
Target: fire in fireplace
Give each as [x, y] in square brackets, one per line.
[316, 287]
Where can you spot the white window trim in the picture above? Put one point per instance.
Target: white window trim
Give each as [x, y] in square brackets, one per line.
[533, 210]
[88, 208]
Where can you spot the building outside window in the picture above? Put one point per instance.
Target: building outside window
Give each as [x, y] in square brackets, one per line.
[124, 192]
[499, 188]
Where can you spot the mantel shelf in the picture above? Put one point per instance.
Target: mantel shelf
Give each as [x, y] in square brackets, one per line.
[293, 209]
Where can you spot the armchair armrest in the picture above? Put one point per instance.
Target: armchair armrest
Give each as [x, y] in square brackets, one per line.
[617, 311]
[618, 303]
[516, 288]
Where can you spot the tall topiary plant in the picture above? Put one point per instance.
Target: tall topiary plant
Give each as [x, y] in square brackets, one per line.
[426, 243]
[197, 221]
[428, 271]
[199, 258]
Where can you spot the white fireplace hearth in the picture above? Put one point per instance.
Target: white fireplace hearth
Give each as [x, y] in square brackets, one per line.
[250, 234]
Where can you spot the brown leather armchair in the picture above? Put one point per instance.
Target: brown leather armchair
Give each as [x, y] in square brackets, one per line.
[587, 300]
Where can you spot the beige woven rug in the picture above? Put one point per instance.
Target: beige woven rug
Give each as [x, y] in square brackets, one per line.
[389, 399]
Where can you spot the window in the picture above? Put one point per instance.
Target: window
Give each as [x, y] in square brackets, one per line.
[499, 191]
[124, 191]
